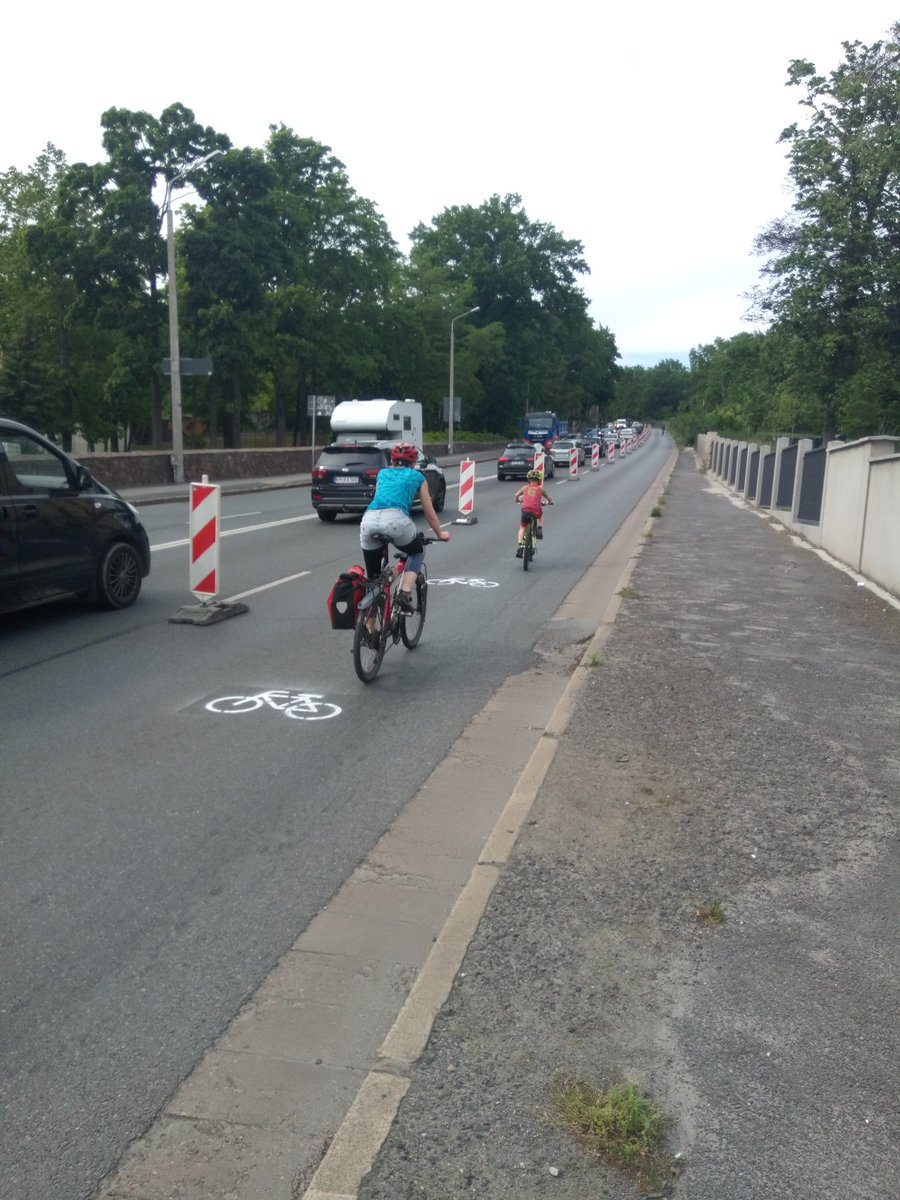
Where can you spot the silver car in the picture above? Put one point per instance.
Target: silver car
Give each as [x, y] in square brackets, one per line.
[561, 450]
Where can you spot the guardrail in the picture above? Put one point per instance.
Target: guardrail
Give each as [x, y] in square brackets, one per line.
[843, 497]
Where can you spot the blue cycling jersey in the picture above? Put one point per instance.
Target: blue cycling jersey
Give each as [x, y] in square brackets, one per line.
[397, 487]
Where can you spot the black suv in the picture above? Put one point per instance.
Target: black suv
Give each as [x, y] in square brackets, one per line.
[61, 532]
[517, 460]
[343, 480]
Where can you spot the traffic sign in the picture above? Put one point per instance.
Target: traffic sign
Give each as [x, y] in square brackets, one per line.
[320, 406]
[189, 366]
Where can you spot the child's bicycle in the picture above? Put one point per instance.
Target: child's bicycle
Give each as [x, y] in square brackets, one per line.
[529, 545]
[381, 622]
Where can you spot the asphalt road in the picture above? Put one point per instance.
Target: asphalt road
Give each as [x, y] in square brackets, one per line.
[157, 858]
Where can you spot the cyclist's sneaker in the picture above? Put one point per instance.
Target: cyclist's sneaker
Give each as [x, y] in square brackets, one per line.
[405, 601]
[520, 550]
[540, 535]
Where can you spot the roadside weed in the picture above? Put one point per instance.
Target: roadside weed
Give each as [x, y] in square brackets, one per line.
[616, 1125]
[656, 511]
[711, 913]
[628, 593]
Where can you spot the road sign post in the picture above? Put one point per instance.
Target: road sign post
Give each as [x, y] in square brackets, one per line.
[318, 406]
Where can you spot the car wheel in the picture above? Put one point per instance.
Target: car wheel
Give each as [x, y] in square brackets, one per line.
[500, 477]
[440, 497]
[118, 576]
[325, 516]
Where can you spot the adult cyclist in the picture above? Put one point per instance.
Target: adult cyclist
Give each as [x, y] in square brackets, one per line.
[533, 496]
[388, 520]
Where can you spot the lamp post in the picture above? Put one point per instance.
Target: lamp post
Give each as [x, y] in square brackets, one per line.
[174, 353]
[450, 402]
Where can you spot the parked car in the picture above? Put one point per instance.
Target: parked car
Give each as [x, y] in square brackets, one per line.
[561, 450]
[517, 459]
[343, 479]
[62, 533]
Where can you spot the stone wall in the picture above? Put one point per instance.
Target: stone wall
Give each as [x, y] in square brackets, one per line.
[152, 468]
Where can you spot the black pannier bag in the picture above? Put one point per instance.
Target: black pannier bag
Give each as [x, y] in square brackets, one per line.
[344, 597]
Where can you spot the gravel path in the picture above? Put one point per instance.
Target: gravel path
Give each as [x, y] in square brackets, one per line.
[739, 743]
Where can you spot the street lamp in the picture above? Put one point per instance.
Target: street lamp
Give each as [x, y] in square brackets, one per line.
[450, 403]
[174, 353]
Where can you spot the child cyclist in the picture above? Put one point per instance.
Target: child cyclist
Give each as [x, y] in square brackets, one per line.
[532, 495]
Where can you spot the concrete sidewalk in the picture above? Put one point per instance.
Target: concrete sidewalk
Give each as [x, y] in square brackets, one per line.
[736, 742]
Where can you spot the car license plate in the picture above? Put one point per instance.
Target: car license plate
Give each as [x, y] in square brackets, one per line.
[346, 479]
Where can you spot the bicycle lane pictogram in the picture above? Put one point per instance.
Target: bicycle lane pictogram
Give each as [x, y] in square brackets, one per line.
[464, 581]
[296, 705]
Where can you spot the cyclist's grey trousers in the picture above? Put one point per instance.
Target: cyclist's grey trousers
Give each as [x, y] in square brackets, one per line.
[384, 525]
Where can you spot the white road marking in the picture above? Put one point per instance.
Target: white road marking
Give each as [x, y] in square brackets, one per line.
[264, 587]
[234, 532]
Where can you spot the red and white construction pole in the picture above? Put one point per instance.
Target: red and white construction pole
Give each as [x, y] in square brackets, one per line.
[203, 574]
[466, 493]
[204, 538]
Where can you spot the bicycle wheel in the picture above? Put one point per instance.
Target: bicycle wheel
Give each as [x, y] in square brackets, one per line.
[235, 704]
[411, 623]
[368, 648]
[528, 550]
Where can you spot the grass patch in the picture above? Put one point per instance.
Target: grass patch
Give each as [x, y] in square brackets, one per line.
[711, 913]
[628, 593]
[618, 1126]
[648, 533]
[656, 511]
[595, 661]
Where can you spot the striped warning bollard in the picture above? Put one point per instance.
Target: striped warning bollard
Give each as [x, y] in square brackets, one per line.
[573, 464]
[204, 536]
[595, 456]
[203, 575]
[611, 452]
[466, 493]
[539, 460]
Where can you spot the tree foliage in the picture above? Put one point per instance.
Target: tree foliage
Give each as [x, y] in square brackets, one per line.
[523, 277]
[291, 282]
[833, 265]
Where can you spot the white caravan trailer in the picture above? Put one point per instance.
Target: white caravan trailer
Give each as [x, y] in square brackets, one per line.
[377, 421]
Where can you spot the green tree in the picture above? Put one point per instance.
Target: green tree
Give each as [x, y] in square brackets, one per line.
[833, 266]
[117, 253]
[288, 273]
[523, 276]
[35, 300]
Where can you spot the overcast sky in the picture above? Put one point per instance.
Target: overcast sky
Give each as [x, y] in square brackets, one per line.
[648, 131]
